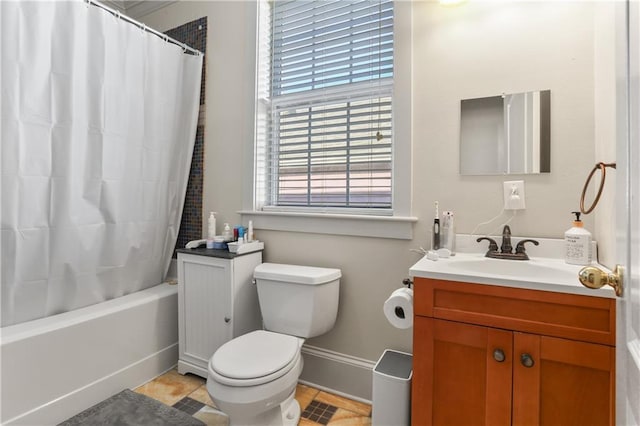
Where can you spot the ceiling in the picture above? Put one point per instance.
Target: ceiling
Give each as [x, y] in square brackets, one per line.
[137, 8]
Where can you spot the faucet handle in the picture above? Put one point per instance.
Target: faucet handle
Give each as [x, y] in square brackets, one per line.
[506, 240]
[493, 246]
[520, 246]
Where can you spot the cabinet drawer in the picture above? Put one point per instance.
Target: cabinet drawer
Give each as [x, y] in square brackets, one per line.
[584, 318]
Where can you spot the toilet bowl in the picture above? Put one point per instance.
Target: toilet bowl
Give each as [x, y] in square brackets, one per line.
[253, 377]
[252, 389]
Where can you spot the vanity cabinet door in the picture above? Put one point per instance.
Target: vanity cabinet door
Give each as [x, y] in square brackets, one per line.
[462, 374]
[562, 382]
[558, 351]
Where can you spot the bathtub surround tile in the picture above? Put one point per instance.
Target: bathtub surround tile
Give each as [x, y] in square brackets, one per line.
[171, 387]
[348, 404]
[194, 34]
[188, 405]
[191, 222]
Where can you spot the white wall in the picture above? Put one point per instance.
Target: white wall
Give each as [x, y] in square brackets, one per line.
[605, 131]
[482, 49]
[468, 51]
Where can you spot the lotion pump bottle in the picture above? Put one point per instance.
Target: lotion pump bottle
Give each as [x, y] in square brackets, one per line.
[577, 242]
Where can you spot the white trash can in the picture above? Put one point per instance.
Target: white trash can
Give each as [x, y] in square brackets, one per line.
[392, 389]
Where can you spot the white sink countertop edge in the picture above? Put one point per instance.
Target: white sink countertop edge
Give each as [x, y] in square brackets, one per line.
[565, 281]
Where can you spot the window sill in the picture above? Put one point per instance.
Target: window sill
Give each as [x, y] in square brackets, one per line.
[334, 224]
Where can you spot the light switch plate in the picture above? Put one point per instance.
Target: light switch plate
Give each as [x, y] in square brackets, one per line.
[514, 195]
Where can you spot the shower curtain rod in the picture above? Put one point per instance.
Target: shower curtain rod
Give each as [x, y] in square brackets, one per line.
[143, 27]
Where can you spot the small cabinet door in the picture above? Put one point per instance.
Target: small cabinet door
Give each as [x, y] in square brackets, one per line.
[462, 374]
[206, 307]
[562, 382]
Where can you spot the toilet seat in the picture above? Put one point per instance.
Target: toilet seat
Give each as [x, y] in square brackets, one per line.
[255, 358]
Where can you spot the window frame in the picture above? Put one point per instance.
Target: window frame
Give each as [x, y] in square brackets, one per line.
[397, 222]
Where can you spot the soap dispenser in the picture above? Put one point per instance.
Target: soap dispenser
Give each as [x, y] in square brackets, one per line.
[577, 242]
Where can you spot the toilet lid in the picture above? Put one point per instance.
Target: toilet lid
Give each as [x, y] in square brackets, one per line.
[256, 354]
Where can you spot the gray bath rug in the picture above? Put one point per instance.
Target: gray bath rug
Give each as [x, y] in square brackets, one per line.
[128, 408]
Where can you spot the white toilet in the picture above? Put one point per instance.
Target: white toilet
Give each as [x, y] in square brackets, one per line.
[253, 378]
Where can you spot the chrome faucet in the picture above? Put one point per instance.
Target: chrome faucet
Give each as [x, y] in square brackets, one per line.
[506, 248]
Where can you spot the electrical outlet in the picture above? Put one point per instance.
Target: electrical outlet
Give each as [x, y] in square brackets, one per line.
[513, 195]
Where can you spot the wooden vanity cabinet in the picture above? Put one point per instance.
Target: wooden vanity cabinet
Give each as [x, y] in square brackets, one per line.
[490, 355]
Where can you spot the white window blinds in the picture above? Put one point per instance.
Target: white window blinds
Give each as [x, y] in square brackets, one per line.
[329, 139]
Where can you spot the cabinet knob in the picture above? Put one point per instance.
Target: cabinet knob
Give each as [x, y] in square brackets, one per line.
[227, 320]
[526, 360]
[498, 355]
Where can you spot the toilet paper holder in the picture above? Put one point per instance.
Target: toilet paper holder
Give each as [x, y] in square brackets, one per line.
[398, 308]
[399, 312]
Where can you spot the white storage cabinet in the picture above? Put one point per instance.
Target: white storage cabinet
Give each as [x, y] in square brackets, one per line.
[217, 301]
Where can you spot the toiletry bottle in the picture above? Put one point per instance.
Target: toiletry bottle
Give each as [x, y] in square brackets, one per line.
[212, 225]
[250, 232]
[435, 231]
[227, 233]
[211, 231]
[448, 237]
[577, 241]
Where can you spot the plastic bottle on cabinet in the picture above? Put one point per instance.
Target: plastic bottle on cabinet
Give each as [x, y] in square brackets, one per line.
[211, 231]
[250, 232]
[448, 237]
[435, 231]
[227, 233]
[211, 234]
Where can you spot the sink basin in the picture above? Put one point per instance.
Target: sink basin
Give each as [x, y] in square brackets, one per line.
[519, 269]
[538, 273]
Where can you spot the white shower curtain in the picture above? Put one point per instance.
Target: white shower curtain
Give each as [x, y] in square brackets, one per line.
[98, 125]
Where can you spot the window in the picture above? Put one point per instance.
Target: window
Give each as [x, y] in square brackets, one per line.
[324, 115]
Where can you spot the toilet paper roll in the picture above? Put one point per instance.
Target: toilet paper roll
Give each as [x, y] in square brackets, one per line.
[398, 308]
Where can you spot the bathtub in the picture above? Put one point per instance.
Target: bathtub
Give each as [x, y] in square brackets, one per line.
[56, 367]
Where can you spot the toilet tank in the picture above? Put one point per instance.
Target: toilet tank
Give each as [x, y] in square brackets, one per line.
[298, 300]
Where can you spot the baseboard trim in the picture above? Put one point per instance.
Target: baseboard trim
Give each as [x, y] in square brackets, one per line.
[334, 391]
[338, 373]
[131, 376]
[338, 357]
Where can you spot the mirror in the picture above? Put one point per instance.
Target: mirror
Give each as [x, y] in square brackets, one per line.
[506, 134]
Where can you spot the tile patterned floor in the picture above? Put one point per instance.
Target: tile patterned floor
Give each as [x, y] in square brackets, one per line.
[189, 394]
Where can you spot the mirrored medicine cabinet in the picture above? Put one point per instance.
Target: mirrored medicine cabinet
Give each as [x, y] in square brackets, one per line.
[505, 134]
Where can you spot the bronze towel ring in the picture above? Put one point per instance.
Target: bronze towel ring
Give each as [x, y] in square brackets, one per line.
[603, 169]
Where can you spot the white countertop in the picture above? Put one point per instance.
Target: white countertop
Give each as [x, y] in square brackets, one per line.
[537, 273]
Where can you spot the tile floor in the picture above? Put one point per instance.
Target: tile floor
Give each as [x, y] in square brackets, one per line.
[189, 394]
